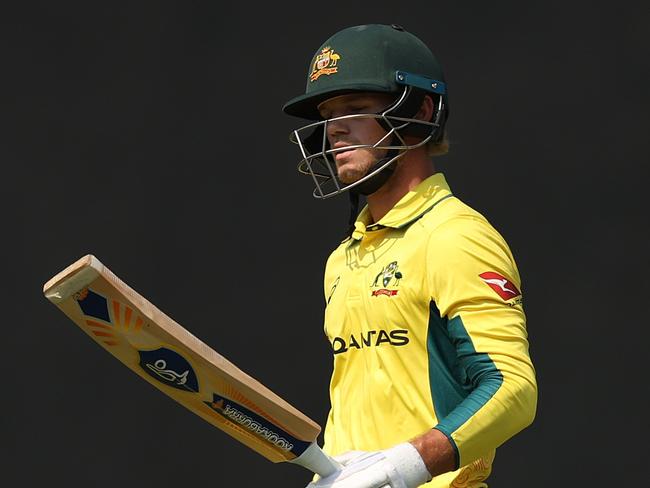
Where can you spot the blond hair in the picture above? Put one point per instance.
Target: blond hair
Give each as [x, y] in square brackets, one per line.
[439, 148]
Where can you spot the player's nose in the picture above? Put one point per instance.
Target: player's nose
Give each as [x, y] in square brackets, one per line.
[337, 127]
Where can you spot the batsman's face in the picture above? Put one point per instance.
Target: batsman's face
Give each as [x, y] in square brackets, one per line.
[353, 164]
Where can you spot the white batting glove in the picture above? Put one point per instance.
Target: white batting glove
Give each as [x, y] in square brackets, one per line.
[398, 467]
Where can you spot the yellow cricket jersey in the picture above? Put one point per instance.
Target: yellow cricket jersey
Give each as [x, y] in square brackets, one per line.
[425, 317]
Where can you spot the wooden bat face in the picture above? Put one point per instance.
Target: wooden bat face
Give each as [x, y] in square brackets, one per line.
[170, 358]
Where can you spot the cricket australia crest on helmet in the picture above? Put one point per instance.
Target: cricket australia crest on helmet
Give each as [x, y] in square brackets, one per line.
[325, 63]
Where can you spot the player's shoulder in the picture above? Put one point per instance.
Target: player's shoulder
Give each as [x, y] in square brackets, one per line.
[452, 215]
[454, 224]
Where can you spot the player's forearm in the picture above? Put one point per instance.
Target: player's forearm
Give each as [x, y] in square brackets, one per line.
[507, 411]
[437, 452]
[516, 412]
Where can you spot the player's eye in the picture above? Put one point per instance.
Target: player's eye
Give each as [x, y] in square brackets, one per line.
[358, 109]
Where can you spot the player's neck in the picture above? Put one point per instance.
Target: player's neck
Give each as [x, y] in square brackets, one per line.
[409, 173]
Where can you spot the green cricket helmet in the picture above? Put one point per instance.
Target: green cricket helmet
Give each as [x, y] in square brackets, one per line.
[360, 59]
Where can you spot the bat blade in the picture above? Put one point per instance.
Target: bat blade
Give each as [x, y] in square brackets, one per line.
[180, 365]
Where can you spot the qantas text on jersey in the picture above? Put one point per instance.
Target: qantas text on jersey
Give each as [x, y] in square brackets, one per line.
[371, 338]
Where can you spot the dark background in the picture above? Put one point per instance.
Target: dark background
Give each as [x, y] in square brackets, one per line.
[150, 134]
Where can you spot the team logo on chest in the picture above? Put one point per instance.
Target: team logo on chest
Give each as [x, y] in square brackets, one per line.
[387, 281]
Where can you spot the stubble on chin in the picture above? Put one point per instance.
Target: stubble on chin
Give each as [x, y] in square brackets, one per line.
[350, 175]
[351, 172]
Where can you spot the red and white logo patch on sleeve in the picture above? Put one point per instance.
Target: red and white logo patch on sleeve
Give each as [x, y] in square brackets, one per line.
[505, 288]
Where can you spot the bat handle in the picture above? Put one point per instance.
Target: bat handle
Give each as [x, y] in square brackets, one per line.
[314, 459]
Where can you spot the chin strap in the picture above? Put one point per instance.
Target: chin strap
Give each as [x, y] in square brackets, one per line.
[368, 187]
[374, 183]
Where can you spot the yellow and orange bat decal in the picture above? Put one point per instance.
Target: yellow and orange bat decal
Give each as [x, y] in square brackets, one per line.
[107, 318]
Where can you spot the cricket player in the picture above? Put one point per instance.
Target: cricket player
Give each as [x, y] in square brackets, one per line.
[423, 297]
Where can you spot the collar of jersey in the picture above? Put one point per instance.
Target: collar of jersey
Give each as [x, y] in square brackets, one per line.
[411, 207]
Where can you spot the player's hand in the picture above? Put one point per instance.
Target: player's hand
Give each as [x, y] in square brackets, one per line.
[398, 467]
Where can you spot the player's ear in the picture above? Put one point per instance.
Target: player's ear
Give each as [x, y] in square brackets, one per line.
[426, 109]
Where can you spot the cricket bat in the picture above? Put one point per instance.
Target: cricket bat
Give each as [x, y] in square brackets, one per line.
[177, 363]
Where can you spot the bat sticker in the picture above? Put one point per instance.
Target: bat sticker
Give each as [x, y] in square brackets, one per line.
[256, 424]
[93, 304]
[170, 368]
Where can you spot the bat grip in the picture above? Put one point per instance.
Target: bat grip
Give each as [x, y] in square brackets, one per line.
[314, 459]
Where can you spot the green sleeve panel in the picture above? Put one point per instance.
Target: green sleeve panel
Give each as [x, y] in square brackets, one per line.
[482, 379]
[462, 380]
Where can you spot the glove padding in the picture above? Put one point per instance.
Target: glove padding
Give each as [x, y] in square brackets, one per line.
[398, 467]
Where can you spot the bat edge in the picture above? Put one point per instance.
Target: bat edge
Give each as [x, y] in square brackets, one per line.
[73, 278]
